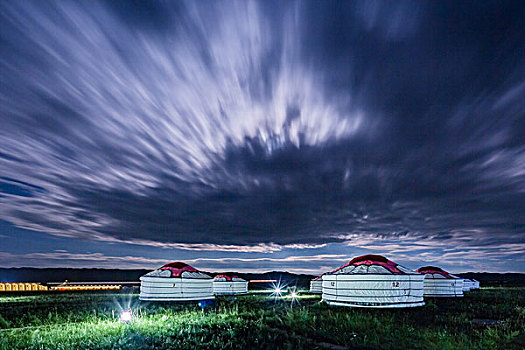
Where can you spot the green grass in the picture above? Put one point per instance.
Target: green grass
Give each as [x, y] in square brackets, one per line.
[90, 321]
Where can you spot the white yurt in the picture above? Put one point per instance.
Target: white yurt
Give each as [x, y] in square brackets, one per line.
[439, 283]
[228, 284]
[316, 285]
[176, 281]
[476, 284]
[373, 281]
[468, 285]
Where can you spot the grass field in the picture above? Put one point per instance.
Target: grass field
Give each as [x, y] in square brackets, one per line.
[490, 318]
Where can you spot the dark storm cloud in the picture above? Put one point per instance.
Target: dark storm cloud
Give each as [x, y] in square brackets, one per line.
[252, 123]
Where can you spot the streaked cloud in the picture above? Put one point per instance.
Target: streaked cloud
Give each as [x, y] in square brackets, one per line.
[266, 127]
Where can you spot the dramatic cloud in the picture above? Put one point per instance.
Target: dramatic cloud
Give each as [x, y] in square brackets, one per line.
[249, 126]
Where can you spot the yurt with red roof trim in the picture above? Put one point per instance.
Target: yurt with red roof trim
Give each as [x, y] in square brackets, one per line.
[440, 283]
[229, 284]
[316, 285]
[176, 281]
[373, 281]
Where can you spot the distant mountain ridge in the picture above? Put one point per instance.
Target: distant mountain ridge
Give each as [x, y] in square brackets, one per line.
[31, 274]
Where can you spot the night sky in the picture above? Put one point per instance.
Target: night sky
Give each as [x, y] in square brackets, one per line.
[257, 136]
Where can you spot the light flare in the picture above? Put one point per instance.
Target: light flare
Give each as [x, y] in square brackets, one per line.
[126, 316]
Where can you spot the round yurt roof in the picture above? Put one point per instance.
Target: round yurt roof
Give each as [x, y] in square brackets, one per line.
[177, 269]
[435, 271]
[371, 264]
[227, 277]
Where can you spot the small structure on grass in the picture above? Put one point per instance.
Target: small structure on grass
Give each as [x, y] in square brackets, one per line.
[440, 283]
[22, 287]
[476, 284]
[316, 285]
[373, 281]
[176, 281]
[229, 285]
[467, 285]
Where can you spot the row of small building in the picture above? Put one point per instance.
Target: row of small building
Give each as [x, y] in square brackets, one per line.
[22, 287]
[37, 287]
[365, 281]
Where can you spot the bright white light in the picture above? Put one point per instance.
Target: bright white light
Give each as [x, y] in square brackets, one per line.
[125, 316]
[277, 289]
[294, 295]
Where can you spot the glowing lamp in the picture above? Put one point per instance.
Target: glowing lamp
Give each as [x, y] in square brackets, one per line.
[294, 295]
[205, 303]
[125, 316]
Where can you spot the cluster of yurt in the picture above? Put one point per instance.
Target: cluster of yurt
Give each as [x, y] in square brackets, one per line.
[229, 284]
[365, 281]
[176, 281]
[373, 281]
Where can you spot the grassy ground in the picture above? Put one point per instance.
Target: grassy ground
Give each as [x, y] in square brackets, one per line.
[90, 321]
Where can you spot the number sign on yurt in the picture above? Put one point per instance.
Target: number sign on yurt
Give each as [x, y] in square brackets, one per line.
[373, 281]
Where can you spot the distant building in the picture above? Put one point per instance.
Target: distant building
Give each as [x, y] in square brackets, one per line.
[176, 281]
[22, 287]
[61, 287]
[66, 287]
[229, 284]
[440, 283]
[316, 285]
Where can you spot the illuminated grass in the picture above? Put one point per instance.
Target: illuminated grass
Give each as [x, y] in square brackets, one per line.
[78, 321]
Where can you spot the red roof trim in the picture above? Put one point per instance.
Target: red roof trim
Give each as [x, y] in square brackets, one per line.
[320, 276]
[433, 269]
[371, 259]
[177, 268]
[228, 278]
[228, 275]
